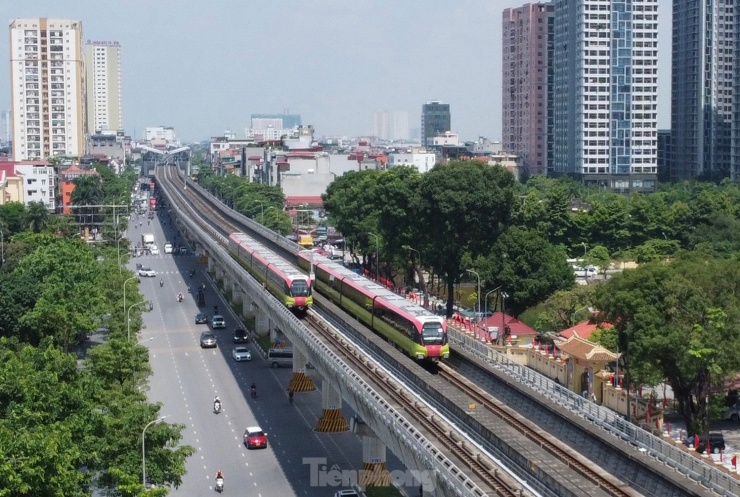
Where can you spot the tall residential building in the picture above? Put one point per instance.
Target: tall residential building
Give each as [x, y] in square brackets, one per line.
[103, 79]
[435, 120]
[391, 125]
[605, 92]
[704, 65]
[47, 88]
[527, 84]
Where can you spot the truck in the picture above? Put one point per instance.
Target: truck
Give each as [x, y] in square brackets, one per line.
[147, 239]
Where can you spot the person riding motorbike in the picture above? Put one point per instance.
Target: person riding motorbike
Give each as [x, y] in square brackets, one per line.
[189, 289]
[179, 297]
[253, 390]
[216, 404]
[290, 396]
[215, 309]
[161, 282]
[219, 480]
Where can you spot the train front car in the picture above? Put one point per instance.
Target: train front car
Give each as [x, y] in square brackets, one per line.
[411, 328]
[300, 295]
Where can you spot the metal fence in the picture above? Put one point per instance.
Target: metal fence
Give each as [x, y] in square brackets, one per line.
[608, 420]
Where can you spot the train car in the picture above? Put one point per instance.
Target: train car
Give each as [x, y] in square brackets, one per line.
[411, 328]
[288, 284]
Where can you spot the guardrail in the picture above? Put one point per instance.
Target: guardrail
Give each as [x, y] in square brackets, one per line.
[392, 428]
[608, 420]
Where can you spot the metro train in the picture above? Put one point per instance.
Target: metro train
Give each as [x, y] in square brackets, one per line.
[284, 281]
[411, 328]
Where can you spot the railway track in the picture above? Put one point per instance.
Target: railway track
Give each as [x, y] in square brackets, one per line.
[466, 452]
[573, 460]
[500, 483]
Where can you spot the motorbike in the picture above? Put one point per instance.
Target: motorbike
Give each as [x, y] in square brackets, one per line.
[253, 391]
[179, 297]
[161, 283]
[217, 407]
[192, 273]
[219, 485]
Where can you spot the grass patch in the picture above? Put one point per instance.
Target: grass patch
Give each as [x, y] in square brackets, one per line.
[383, 492]
[264, 343]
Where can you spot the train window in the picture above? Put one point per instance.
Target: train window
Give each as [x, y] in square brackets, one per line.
[433, 333]
[300, 289]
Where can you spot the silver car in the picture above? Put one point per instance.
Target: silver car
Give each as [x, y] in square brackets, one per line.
[241, 354]
[147, 272]
[218, 322]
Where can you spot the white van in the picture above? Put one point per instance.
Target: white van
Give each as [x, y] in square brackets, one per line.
[167, 248]
[585, 272]
[280, 357]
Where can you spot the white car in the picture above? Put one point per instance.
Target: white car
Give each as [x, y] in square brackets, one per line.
[241, 354]
[585, 272]
[147, 272]
[167, 248]
[218, 322]
[154, 250]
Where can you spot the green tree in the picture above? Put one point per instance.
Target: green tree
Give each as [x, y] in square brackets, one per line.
[599, 257]
[678, 322]
[565, 308]
[12, 218]
[463, 208]
[527, 267]
[36, 217]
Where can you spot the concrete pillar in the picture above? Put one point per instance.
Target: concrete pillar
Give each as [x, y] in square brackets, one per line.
[248, 306]
[211, 265]
[331, 420]
[374, 469]
[300, 382]
[262, 324]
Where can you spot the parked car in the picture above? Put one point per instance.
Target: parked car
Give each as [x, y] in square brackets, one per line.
[716, 443]
[184, 251]
[147, 272]
[218, 322]
[255, 438]
[240, 336]
[585, 272]
[733, 412]
[241, 354]
[201, 318]
[207, 340]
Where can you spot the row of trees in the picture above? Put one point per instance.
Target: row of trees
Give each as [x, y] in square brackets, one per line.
[263, 203]
[67, 426]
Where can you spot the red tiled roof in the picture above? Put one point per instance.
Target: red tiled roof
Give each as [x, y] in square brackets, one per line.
[255, 157]
[74, 170]
[517, 327]
[8, 168]
[584, 329]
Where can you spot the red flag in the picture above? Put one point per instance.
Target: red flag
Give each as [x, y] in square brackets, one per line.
[696, 441]
[734, 461]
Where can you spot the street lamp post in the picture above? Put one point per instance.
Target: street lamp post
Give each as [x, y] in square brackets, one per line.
[377, 256]
[504, 296]
[2, 248]
[262, 209]
[124, 290]
[478, 276]
[485, 300]
[128, 318]
[143, 449]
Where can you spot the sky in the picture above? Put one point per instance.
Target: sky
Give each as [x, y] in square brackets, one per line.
[204, 66]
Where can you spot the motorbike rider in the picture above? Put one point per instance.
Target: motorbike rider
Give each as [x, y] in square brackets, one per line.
[179, 297]
[219, 475]
[215, 309]
[161, 282]
[253, 389]
[216, 403]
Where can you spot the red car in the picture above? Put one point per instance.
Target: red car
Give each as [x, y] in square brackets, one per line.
[255, 438]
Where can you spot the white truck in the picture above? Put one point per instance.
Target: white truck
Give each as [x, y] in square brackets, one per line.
[147, 239]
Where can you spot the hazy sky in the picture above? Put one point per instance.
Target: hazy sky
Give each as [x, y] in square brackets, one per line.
[206, 65]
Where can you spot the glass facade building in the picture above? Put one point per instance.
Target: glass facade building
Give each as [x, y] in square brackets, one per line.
[605, 87]
[435, 120]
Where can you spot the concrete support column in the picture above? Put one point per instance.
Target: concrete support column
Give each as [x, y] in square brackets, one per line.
[262, 324]
[300, 382]
[248, 306]
[211, 265]
[331, 420]
[374, 469]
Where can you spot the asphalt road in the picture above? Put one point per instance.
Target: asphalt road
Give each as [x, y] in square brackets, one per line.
[186, 378]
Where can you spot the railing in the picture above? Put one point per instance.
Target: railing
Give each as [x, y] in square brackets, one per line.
[376, 411]
[608, 420]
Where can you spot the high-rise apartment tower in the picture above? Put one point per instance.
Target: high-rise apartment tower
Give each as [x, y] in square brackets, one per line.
[47, 88]
[103, 79]
[527, 84]
[703, 108]
[605, 92]
[435, 120]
